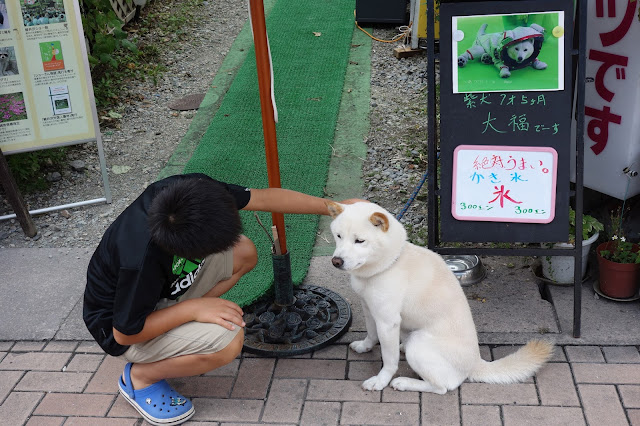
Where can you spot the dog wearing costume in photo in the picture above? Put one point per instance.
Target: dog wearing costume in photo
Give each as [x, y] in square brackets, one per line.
[507, 50]
[413, 302]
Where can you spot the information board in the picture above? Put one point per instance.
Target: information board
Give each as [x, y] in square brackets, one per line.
[504, 74]
[46, 96]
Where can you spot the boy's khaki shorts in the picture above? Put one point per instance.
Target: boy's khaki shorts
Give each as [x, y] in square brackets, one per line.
[192, 337]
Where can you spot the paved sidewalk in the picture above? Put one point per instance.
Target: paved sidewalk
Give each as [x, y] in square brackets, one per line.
[51, 373]
[74, 383]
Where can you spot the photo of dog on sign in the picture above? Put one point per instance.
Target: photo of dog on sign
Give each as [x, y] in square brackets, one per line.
[513, 52]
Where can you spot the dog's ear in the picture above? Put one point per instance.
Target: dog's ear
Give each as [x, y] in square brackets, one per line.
[381, 220]
[538, 28]
[334, 208]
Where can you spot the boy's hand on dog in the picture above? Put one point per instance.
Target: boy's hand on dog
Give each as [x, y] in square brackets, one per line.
[218, 311]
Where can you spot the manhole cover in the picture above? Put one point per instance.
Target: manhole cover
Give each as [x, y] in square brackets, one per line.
[188, 102]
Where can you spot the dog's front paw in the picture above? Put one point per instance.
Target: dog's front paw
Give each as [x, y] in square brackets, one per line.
[538, 65]
[504, 72]
[361, 346]
[400, 383]
[376, 383]
[486, 59]
[462, 61]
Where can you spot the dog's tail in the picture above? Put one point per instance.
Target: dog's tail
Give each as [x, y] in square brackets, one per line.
[482, 29]
[515, 367]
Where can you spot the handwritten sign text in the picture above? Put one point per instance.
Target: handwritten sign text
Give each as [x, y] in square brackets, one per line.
[504, 183]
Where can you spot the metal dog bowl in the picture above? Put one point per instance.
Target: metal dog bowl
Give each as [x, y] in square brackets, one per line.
[467, 268]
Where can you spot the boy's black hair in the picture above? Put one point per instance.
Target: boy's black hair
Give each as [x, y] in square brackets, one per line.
[194, 218]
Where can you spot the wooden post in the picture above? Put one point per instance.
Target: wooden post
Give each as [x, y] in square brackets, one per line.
[15, 198]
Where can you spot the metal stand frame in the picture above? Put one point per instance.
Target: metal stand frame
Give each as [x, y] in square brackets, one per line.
[98, 137]
[579, 62]
[105, 183]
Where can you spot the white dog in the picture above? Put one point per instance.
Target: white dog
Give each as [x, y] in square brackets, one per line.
[507, 50]
[409, 292]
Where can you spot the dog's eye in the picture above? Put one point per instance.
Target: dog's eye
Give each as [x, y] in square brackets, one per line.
[358, 241]
[338, 236]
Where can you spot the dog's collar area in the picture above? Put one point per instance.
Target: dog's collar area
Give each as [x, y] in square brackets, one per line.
[390, 264]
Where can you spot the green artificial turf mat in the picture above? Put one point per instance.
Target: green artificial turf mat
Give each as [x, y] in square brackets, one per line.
[310, 43]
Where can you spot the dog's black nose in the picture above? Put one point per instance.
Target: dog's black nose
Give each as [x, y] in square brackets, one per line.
[337, 262]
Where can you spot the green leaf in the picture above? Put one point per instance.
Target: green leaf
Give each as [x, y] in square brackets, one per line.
[131, 46]
[119, 34]
[115, 22]
[101, 21]
[93, 60]
[108, 59]
[100, 38]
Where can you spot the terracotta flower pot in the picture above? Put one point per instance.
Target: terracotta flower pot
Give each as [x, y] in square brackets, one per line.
[618, 280]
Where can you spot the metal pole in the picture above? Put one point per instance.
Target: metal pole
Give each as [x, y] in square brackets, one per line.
[103, 168]
[268, 121]
[580, 100]
[15, 198]
[432, 206]
[60, 207]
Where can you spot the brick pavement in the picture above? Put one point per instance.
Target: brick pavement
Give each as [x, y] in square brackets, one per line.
[74, 383]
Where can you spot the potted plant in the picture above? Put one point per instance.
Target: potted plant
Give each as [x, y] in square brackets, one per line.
[619, 263]
[559, 269]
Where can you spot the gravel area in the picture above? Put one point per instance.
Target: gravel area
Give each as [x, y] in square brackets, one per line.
[397, 141]
[146, 136]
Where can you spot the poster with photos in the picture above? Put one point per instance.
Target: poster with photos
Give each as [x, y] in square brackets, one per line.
[46, 96]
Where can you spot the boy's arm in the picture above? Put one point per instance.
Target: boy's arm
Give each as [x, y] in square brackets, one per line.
[280, 200]
[205, 309]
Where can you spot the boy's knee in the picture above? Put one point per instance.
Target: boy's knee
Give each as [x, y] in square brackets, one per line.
[245, 254]
[232, 350]
[235, 347]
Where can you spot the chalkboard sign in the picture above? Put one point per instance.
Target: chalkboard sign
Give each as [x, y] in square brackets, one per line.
[504, 184]
[505, 94]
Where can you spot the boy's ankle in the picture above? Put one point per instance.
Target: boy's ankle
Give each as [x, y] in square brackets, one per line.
[136, 382]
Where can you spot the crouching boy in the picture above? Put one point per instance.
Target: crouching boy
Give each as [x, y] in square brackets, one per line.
[155, 280]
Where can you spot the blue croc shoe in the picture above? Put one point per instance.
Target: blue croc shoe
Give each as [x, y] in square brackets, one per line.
[159, 403]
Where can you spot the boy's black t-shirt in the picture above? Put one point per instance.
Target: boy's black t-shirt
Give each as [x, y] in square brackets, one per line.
[128, 274]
